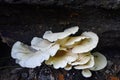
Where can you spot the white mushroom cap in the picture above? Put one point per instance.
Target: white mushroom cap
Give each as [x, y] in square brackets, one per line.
[43, 45]
[22, 53]
[86, 73]
[100, 61]
[26, 56]
[63, 41]
[82, 59]
[72, 40]
[87, 65]
[61, 59]
[40, 44]
[88, 44]
[19, 48]
[52, 50]
[60, 35]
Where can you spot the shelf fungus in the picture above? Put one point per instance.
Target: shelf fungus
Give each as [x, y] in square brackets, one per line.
[31, 57]
[61, 50]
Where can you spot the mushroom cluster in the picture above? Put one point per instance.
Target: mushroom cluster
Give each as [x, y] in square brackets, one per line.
[61, 51]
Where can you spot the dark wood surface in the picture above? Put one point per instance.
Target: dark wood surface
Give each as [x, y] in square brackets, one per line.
[76, 4]
[23, 22]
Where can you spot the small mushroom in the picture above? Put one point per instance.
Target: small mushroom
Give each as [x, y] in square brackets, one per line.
[60, 35]
[100, 61]
[87, 65]
[61, 59]
[86, 73]
[87, 44]
[29, 57]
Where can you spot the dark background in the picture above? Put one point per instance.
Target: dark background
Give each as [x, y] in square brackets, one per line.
[21, 20]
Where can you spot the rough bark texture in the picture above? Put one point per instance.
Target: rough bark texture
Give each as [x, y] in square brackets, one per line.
[23, 22]
[114, 4]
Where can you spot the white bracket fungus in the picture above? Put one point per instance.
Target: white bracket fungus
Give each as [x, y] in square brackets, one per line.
[72, 40]
[82, 59]
[61, 59]
[30, 57]
[89, 64]
[40, 44]
[60, 35]
[87, 44]
[62, 51]
[100, 61]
